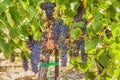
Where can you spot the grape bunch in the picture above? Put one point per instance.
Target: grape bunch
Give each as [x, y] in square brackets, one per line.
[64, 31]
[34, 57]
[25, 63]
[49, 9]
[56, 31]
[82, 48]
[59, 30]
[63, 47]
[64, 57]
[12, 57]
[60, 33]
[35, 48]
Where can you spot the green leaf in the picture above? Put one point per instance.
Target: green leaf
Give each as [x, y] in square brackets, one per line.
[9, 18]
[110, 69]
[14, 34]
[78, 24]
[113, 25]
[2, 25]
[97, 26]
[23, 30]
[111, 11]
[82, 66]
[104, 59]
[117, 39]
[6, 48]
[62, 2]
[32, 12]
[69, 12]
[15, 14]
[74, 33]
[89, 75]
[2, 7]
[7, 2]
[97, 16]
[37, 35]
[24, 4]
[90, 44]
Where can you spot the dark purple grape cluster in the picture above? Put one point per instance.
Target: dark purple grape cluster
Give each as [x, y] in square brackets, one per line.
[48, 8]
[64, 57]
[82, 48]
[56, 31]
[62, 46]
[12, 57]
[64, 31]
[34, 57]
[59, 30]
[35, 48]
[25, 63]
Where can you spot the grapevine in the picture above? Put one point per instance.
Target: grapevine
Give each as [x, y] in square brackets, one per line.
[87, 30]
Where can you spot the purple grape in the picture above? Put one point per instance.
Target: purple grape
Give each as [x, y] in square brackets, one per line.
[82, 48]
[60, 33]
[63, 48]
[49, 9]
[34, 57]
[64, 59]
[56, 31]
[25, 63]
[64, 55]
[59, 30]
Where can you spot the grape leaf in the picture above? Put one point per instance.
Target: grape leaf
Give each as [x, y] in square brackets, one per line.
[74, 33]
[15, 14]
[104, 59]
[9, 18]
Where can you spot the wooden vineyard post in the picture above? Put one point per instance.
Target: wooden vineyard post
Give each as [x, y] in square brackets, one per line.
[57, 61]
[42, 74]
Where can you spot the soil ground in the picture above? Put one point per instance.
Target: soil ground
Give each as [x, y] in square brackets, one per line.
[14, 71]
